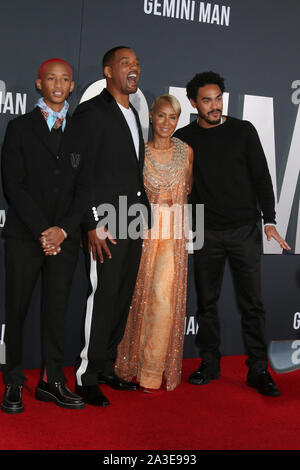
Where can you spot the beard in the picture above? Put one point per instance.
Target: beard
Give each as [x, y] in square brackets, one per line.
[208, 119]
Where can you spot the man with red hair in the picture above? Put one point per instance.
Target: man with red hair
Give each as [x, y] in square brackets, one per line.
[47, 189]
[55, 60]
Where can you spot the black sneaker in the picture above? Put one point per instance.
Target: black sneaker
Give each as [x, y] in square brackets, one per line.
[12, 401]
[263, 383]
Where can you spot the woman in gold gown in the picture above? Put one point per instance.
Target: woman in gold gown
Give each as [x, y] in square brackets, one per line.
[152, 346]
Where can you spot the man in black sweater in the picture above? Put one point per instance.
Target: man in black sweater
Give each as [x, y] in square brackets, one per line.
[232, 180]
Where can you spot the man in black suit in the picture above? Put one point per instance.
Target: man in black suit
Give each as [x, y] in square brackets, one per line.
[114, 141]
[47, 189]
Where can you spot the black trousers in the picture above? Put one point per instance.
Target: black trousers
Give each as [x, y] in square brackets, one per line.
[24, 262]
[111, 286]
[242, 247]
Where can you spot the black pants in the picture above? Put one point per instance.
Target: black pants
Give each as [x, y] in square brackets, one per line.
[110, 292]
[242, 247]
[24, 261]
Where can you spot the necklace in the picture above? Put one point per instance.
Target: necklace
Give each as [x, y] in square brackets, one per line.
[162, 150]
[161, 177]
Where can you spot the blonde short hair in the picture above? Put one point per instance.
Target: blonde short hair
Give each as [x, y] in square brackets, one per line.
[170, 99]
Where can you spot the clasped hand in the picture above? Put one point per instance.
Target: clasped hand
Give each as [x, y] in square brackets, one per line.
[51, 240]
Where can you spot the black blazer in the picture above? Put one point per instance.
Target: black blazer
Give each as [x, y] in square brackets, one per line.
[42, 190]
[104, 136]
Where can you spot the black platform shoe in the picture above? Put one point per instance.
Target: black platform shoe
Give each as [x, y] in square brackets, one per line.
[59, 394]
[12, 400]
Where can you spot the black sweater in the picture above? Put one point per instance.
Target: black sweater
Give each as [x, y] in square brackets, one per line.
[231, 175]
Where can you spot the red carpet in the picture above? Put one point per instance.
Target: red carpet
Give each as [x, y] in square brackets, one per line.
[224, 415]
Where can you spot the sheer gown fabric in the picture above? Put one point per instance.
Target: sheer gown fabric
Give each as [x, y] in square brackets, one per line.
[152, 345]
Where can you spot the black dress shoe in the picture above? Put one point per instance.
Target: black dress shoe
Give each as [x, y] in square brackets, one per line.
[205, 373]
[12, 401]
[263, 383]
[117, 383]
[59, 394]
[92, 395]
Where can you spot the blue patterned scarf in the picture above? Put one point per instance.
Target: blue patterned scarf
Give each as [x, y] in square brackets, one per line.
[53, 118]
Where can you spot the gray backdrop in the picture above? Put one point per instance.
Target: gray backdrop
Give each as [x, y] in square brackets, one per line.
[253, 44]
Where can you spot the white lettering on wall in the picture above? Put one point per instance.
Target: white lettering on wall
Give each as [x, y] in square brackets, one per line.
[260, 111]
[2, 218]
[296, 323]
[190, 325]
[12, 103]
[185, 10]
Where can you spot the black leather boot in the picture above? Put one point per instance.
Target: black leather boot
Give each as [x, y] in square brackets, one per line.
[263, 383]
[59, 394]
[208, 370]
[12, 401]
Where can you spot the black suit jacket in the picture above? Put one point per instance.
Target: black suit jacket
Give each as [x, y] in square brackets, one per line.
[42, 190]
[104, 136]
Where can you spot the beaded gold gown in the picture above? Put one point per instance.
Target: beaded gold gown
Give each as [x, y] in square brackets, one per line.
[152, 345]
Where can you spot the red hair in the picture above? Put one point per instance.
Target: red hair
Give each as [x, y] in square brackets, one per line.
[55, 59]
